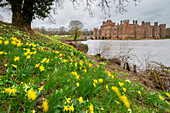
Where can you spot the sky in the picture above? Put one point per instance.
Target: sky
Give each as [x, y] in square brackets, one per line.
[146, 10]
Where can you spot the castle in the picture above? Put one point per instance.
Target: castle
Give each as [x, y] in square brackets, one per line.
[125, 30]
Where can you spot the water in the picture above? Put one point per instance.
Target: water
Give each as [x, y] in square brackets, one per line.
[140, 52]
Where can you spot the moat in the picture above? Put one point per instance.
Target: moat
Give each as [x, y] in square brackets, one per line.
[139, 51]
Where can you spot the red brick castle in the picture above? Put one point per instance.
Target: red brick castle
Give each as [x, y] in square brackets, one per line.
[125, 30]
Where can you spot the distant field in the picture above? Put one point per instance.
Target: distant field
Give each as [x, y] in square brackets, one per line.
[66, 37]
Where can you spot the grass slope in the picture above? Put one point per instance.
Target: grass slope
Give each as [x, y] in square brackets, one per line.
[40, 74]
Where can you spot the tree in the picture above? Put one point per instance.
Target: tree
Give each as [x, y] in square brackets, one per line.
[24, 11]
[75, 26]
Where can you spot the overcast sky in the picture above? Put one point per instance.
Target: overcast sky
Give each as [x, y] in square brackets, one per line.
[147, 10]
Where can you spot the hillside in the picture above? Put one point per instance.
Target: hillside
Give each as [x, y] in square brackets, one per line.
[40, 74]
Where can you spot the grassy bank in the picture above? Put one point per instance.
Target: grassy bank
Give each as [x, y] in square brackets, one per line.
[41, 74]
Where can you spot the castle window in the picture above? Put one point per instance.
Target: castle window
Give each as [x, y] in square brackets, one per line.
[147, 31]
[137, 28]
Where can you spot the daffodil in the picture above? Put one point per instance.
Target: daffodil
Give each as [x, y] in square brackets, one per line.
[28, 57]
[125, 100]
[121, 84]
[45, 106]
[107, 88]
[1, 52]
[124, 89]
[40, 89]
[77, 84]
[0, 41]
[168, 95]
[31, 94]
[16, 59]
[80, 100]
[91, 108]
[68, 100]
[94, 84]
[15, 66]
[95, 81]
[100, 80]
[66, 108]
[139, 92]
[6, 42]
[71, 108]
[161, 97]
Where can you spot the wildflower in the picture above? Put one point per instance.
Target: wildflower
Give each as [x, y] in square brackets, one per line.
[71, 53]
[15, 66]
[125, 100]
[40, 88]
[1, 52]
[139, 92]
[115, 69]
[117, 102]
[77, 84]
[97, 66]
[45, 106]
[168, 95]
[85, 70]
[76, 64]
[94, 84]
[80, 100]
[128, 81]
[28, 57]
[37, 65]
[33, 111]
[107, 88]
[43, 60]
[95, 81]
[114, 88]
[90, 65]
[66, 108]
[124, 89]
[13, 91]
[91, 108]
[16, 59]
[5, 53]
[161, 97]
[10, 90]
[6, 42]
[112, 77]
[47, 61]
[121, 84]
[109, 74]
[68, 100]
[41, 68]
[0, 41]
[130, 111]
[31, 94]
[19, 44]
[100, 80]
[7, 90]
[26, 87]
[102, 108]
[60, 55]
[14, 43]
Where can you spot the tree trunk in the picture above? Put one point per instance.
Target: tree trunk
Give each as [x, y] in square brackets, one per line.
[16, 12]
[28, 13]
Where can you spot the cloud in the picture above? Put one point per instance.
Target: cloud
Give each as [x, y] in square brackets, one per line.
[146, 10]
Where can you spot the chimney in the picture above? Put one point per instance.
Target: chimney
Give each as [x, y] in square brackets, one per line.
[133, 21]
[155, 23]
[143, 22]
[121, 22]
[136, 22]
